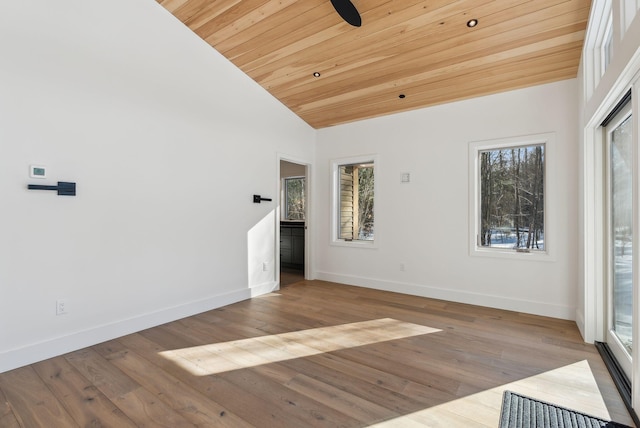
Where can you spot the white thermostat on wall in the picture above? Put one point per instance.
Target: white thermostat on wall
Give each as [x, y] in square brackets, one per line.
[37, 171]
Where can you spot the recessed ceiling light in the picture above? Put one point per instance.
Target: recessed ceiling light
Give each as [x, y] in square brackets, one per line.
[316, 74]
[472, 23]
[401, 96]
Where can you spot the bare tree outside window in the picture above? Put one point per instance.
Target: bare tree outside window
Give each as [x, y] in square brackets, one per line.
[512, 198]
[356, 219]
[294, 196]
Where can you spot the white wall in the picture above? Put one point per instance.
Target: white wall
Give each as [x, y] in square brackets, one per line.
[152, 124]
[424, 224]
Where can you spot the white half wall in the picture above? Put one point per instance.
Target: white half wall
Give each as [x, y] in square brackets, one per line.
[424, 224]
[167, 142]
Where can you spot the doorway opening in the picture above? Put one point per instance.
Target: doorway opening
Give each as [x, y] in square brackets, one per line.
[293, 221]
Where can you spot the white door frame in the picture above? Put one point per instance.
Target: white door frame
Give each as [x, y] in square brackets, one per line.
[308, 221]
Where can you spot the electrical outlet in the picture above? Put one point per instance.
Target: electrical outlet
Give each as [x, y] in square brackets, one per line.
[402, 267]
[62, 307]
[265, 266]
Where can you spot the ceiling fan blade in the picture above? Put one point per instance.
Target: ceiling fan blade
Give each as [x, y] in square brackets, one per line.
[347, 11]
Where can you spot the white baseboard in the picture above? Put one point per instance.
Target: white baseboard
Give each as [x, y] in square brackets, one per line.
[499, 302]
[267, 287]
[32, 353]
[579, 317]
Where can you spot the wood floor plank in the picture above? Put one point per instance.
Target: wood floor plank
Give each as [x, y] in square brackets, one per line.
[310, 412]
[256, 408]
[84, 402]
[343, 401]
[317, 354]
[189, 403]
[7, 417]
[33, 404]
[341, 377]
[140, 405]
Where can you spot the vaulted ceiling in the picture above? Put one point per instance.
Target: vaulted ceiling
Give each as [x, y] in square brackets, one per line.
[407, 54]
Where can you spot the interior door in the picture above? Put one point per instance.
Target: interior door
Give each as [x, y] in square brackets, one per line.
[620, 214]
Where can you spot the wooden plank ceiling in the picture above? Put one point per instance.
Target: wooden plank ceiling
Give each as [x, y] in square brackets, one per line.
[421, 49]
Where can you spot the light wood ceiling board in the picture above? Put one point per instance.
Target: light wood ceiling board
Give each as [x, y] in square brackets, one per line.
[447, 53]
[210, 11]
[387, 44]
[237, 19]
[462, 87]
[310, 36]
[412, 24]
[193, 12]
[445, 69]
[451, 43]
[334, 117]
[500, 72]
[468, 78]
[443, 92]
[411, 46]
[298, 20]
[474, 65]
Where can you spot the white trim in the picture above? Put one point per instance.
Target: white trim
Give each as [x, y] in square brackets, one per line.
[600, 14]
[635, 369]
[593, 236]
[550, 200]
[437, 292]
[45, 349]
[335, 203]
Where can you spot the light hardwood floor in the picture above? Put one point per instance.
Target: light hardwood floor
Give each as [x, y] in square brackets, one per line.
[317, 354]
[290, 276]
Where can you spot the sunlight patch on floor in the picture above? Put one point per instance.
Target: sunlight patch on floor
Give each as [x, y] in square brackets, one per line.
[572, 386]
[221, 357]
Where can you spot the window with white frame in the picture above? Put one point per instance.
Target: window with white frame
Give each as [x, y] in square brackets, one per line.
[353, 200]
[294, 196]
[509, 201]
[599, 44]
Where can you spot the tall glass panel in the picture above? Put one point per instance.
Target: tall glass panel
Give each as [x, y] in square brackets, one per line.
[621, 158]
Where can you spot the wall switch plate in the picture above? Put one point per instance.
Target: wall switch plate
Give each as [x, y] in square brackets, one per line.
[62, 307]
[405, 177]
[37, 171]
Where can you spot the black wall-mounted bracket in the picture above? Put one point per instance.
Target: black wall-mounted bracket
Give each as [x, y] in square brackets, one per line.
[63, 188]
[257, 199]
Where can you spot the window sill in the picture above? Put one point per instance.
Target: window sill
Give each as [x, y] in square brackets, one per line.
[541, 256]
[354, 244]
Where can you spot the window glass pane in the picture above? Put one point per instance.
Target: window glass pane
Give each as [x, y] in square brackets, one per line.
[512, 198]
[294, 195]
[622, 231]
[356, 197]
